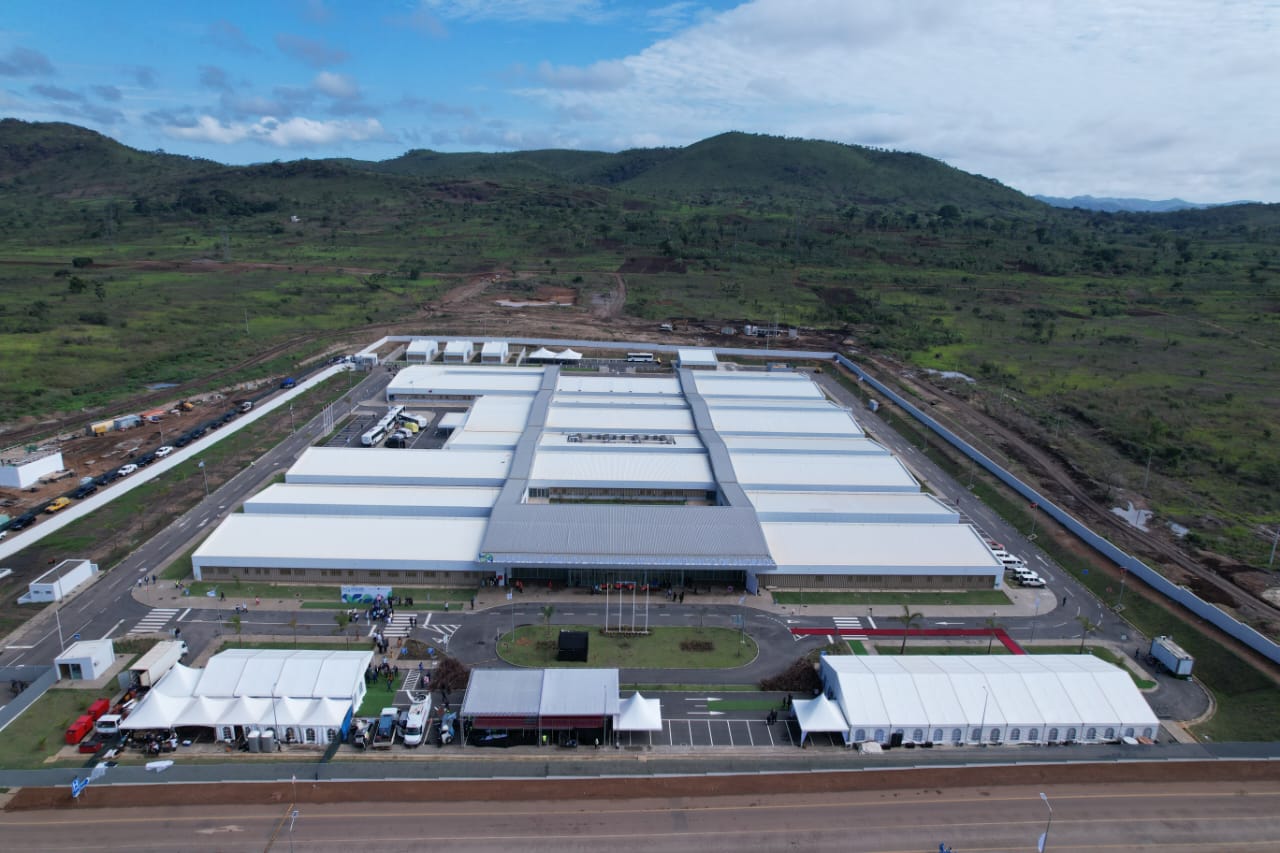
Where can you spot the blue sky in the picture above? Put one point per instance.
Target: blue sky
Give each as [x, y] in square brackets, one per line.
[1149, 98]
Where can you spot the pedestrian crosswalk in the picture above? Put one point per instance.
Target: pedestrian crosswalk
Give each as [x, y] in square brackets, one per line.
[400, 625]
[154, 621]
[852, 627]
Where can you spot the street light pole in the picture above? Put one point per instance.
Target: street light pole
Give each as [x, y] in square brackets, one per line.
[982, 723]
[205, 474]
[1044, 839]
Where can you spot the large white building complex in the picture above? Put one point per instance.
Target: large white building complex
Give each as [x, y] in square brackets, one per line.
[742, 478]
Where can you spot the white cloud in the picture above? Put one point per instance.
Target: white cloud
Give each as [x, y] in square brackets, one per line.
[336, 85]
[297, 132]
[513, 10]
[602, 76]
[1114, 97]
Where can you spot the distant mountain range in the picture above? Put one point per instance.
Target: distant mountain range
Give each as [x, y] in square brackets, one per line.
[1134, 205]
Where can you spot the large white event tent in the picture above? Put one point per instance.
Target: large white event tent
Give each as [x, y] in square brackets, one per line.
[964, 699]
[305, 695]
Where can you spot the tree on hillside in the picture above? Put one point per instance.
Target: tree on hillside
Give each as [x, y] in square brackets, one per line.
[909, 620]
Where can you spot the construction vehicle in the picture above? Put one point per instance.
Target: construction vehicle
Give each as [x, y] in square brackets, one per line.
[186, 406]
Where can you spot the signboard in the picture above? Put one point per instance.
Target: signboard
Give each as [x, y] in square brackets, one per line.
[364, 594]
[78, 785]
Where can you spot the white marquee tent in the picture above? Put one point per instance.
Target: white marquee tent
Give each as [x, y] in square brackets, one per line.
[819, 715]
[1017, 699]
[305, 695]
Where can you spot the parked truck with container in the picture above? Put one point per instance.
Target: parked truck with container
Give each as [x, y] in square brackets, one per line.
[1171, 656]
[152, 666]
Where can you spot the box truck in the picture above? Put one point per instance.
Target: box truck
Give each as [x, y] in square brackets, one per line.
[1171, 656]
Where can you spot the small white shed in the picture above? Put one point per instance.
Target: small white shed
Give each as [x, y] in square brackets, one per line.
[459, 352]
[60, 581]
[495, 352]
[420, 350]
[698, 359]
[86, 660]
[21, 472]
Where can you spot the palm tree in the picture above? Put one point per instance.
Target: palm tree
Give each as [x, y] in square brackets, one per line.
[293, 623]
[343, 619]
[547, 613]
[1087, 627]
[992, 625]
[908, 620]
[236, 625]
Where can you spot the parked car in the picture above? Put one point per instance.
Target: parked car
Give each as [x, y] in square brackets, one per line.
[85, 490]
[162, 452]
[1031, 579]
[57, 504]
[146, 459]
[126, 470]
[23, 521]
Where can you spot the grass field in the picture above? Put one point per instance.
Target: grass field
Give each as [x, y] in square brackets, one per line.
[534, 645]
[38, 732]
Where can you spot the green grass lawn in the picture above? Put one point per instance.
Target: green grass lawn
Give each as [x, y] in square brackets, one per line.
[533, 645]
[856, 647]
[38, 732]
[977, 596]
[377, 698]
[742, 704]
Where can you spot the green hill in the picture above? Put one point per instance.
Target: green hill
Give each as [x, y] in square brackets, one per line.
[56, 159]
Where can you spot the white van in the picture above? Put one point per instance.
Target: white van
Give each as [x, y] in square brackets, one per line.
[413, 728]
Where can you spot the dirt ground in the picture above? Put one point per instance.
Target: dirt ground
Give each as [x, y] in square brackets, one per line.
[694, 786]
[88, 456]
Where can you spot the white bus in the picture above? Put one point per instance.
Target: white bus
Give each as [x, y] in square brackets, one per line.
[641, 357]
[373, 436]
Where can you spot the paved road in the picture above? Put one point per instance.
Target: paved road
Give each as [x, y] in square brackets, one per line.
[1130, 817]
[108, 607]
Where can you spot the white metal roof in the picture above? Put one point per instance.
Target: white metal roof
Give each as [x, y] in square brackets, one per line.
[459, 348]
[804, 444]
[378, 466]
[485, 439]
[421, 346]
[555, 441]
[579, 692]
[499, 414]
[579, 383]
[617, 419]
[624, 401]
[494, 348]
[302, 499]
[444, 380]
[690, 357]
[854, 507]
[814, 472]
[343, 542]
[623, 469]
[452, 420]
[830, 421]
[757, 385]
[866, 548]
[503, 692]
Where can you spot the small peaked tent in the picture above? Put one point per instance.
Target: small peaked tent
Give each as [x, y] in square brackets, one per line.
[541, 354]
[819, 715]
[639, 714]
[569, 355]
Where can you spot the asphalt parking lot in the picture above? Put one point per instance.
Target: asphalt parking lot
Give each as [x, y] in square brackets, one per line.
[718, 731]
